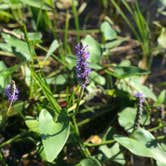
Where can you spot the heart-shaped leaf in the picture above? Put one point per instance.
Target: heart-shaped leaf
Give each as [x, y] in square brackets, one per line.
[143, 143]
[54, 134]
[108, 32]
[127, 118]
[93, 48]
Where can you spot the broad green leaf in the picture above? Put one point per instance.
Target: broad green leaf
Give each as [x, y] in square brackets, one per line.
[113, 153]
[71, 61]
[32, 124]
[162, 38]
[5, 74]
[114, 43]
[37, 4]
[127, 118]
[58, 80]
[108, 32]
[35, 37]
[89, 162]
[143, 143]
[144, 89]
[93, 48]
[95, 66]
[54, 45]
[16, 46]
[133, 85]
[126, 71]
[161, 98]
[97, 78]
[26, 74]
[5, 16]
[54, 134]
[3, 80]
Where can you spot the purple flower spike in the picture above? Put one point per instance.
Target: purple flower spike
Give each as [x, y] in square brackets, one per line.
[82, 66]
[140, 97]
[11, 92]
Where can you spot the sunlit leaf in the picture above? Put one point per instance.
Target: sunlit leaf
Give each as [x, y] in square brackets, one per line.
[142, 143]
[16, 46]
[54, 134]
[127, 118]
[108, 32]
[93, 48]
[94, 76]
[32, 124]
[113, 153]
[162, 38]
[54, 45]
[126, 71]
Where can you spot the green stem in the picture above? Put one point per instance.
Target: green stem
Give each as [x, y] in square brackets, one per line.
[85, 152]
[79, 100]
[158, 127]
[66, 30]
[14, 139]
[76, 19]
[83, 149]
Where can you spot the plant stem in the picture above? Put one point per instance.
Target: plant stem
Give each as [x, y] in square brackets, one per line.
[14, 139]
[83, 149]
[76, 19]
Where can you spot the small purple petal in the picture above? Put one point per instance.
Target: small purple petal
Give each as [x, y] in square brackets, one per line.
[82, 66]
[11, 92]
[140, 96]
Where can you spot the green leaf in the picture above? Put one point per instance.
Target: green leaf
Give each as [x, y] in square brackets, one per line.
[54, 45]
[97, 78]
[162, 38]
[93, 48]
[127, 118]
[35, 37]
[133, 85]
[161, 98]
[16, 46]
[58, 80]
[32, 124]
[126, 71]
[89, 162]
[5, 16]
[26, 74]
[113, 153]
[113, 44]
[107, 31]
[5, 74]
[37, 4]
[54, 134]
[2, 78]
[142, 143]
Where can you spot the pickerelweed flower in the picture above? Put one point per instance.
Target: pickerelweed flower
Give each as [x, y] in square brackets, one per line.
[11, 92]
[140, 100]
[140, 97]
[82, 66]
